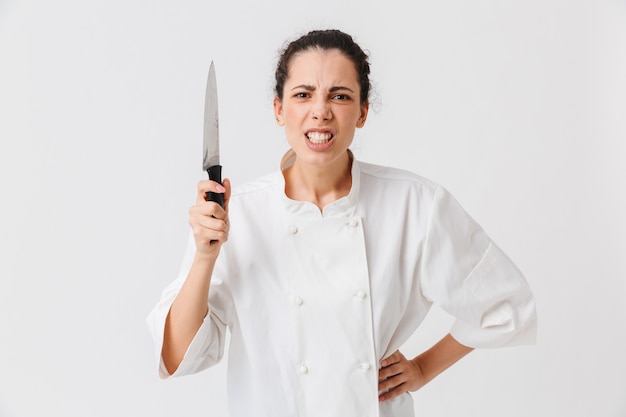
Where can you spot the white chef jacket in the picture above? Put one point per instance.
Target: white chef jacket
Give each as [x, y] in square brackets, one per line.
[315, 300]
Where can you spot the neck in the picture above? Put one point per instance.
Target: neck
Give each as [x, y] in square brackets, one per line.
[320, 185]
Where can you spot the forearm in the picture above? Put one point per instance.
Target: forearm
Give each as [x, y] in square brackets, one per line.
[440, 357]
[187, 312]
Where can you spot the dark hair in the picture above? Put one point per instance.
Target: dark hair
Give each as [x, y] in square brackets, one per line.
[325, 40]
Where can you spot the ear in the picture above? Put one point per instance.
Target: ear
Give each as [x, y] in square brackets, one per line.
[278, 111]
[363, 115]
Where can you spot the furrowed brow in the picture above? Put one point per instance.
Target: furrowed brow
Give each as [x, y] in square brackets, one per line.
[331, 90]
[305, 87]
[340, 88]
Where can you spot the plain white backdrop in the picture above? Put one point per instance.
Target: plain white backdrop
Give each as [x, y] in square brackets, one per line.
[518, 108]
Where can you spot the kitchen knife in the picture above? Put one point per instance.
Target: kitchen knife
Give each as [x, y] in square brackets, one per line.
[211, 151]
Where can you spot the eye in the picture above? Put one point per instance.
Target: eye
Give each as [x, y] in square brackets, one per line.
[301, 95]
[341, 97]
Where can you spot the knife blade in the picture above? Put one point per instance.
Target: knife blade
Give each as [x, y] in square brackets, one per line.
[211, 148]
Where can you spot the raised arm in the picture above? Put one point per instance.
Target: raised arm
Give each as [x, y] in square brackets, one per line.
[210, 226]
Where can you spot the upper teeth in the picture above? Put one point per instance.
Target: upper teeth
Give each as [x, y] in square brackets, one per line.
[317, 137]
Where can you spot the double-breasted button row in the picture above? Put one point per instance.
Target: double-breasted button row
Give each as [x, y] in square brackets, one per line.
[353, 222]
[360, 295]
[365, 366]
[303, 369]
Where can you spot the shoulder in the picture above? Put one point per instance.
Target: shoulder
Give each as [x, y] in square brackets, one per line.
[257, 187]
[388, 176]
[260, 194]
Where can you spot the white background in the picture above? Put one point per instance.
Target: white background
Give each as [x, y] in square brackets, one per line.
[517, 107]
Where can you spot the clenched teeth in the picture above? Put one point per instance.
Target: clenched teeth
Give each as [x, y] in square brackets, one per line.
[317, 137]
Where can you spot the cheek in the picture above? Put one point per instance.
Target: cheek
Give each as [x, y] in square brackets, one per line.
[292, 112]
[286, 113]
[353, 118]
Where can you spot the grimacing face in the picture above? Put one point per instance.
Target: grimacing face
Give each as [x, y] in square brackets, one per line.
[320, 108]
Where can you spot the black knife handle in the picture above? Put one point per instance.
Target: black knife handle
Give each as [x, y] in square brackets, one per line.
[215, 174]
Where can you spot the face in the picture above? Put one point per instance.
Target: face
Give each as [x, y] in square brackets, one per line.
[321, 108]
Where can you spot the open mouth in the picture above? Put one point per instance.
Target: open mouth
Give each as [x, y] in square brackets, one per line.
[319, 137]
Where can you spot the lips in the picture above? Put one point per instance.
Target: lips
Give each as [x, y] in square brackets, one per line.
[319, 137]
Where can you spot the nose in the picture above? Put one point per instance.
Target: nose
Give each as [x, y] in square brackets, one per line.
[321, 110]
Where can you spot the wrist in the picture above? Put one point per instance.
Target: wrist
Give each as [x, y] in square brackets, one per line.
[421, 367]
[207, 254]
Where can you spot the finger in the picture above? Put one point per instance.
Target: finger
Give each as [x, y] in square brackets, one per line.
[209, 228]
[227, 186]
[393, 393]
[210, 236]
[391, 359]
[206, 186]
[391, 370]
[208, 209]
[390, 383]
[209, 222]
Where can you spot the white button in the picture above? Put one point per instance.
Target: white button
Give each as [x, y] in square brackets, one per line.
[298, 300]
[303, 369]
[365, 366]
[360, 294]
[353, 223]
[293, 229]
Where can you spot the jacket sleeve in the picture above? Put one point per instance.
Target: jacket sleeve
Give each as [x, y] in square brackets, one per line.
[207, 347]
[468, 276]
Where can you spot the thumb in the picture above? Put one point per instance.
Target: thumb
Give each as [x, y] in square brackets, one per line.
[226, 184]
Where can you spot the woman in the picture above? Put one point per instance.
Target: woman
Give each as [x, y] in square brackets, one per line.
[322, 279]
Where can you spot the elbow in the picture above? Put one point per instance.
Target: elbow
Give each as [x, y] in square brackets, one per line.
[170, 359]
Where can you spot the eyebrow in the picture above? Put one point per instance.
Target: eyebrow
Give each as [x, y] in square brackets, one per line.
[332, 89]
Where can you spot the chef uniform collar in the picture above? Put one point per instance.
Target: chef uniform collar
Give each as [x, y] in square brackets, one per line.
[345, 206]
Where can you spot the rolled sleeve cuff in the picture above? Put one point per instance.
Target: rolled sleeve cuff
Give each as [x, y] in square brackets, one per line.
[500, 309]
[507, 326]
[205, 350]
